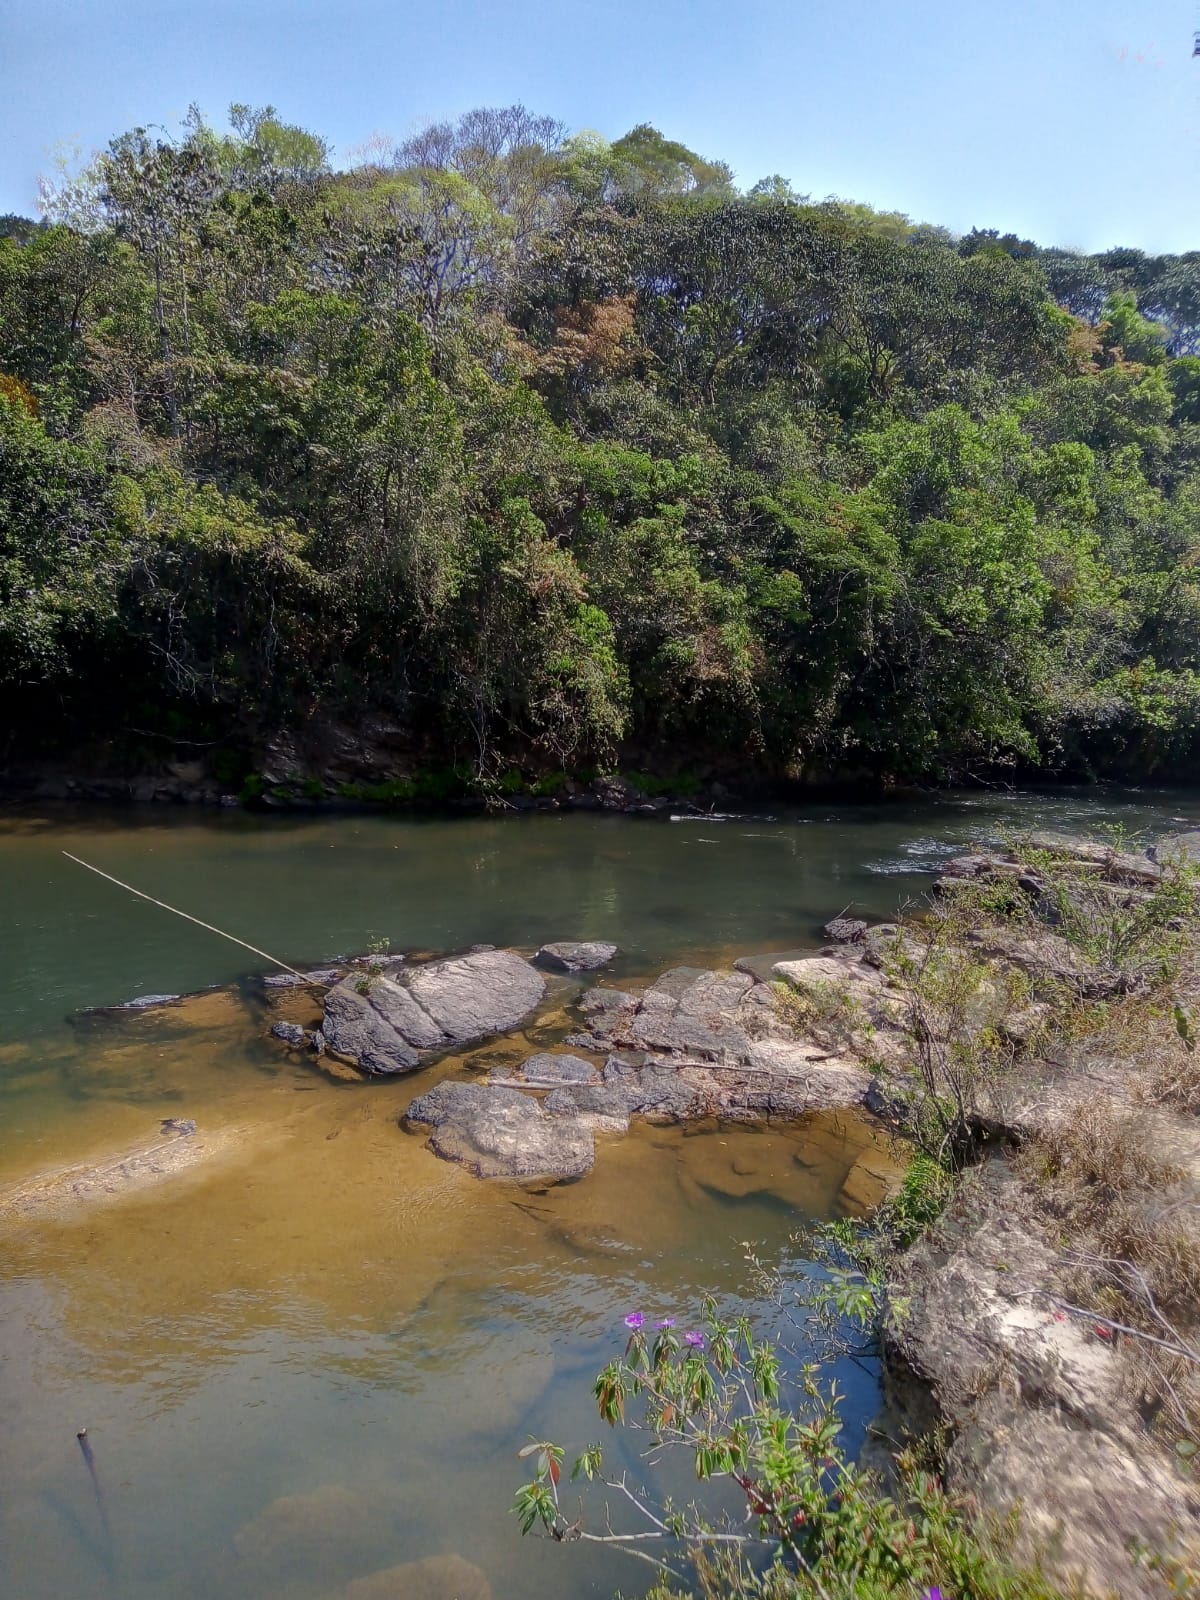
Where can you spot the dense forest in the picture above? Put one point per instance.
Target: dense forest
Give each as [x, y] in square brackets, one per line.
[564, 453]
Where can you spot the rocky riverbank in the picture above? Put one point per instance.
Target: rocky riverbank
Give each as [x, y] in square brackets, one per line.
[1047, 1324]
[1036, 1027]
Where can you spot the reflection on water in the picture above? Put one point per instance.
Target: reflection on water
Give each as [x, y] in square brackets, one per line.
[315, 1356]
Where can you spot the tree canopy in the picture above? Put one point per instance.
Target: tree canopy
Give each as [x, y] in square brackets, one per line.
[561, 450]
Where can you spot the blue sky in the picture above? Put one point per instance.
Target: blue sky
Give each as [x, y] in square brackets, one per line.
[1072, 123]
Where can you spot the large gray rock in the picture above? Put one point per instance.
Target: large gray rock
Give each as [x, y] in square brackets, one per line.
[576, 957]
[382, 1023]
[498, 1132]
[696, 1045]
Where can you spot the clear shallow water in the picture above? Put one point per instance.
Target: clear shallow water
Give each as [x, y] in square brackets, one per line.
[317, 1356]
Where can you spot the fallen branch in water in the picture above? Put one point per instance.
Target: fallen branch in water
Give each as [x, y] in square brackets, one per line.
[85, 1446]
[187, 917]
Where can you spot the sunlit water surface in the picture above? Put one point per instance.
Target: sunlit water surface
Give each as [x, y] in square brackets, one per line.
[316, 1356]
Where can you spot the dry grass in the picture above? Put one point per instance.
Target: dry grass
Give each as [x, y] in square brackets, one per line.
[1173, 1080]
[1130, 1249]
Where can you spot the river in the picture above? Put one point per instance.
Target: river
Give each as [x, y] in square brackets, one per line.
[316, 1358]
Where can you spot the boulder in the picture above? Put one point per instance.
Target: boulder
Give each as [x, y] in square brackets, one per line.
[576, 957]
[498, 1132]
[384, 1022]
[1119, 866]
[834, 971]
[604, 1107]
[599, 1001]
[688, 1010]
[696, 1045]
[617, 794]
[846, 930]
[291, 1033]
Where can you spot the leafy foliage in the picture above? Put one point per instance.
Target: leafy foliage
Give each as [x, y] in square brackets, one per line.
[811, 1523]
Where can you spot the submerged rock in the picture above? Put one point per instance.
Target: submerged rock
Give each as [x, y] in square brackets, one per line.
[383, 1023]
[183, 1126]
[582, 957]
[435, 1578]
[498, 1132]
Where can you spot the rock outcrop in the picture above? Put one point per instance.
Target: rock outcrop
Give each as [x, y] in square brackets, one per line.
[695, 1045]
[388, 1022]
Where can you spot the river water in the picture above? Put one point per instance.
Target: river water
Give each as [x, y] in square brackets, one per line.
[315, 1357]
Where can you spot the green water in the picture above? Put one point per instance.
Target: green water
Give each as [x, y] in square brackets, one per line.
[316, 1358]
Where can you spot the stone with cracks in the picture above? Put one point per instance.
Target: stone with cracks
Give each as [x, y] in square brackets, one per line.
[383, 1023]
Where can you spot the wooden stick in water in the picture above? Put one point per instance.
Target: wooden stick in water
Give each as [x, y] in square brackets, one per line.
[162, 904]
[86, 1447]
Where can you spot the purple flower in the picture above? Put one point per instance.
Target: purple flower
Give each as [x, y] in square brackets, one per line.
[696, 1340]
[667, 1322]
[934, 1594]
[634, 1320]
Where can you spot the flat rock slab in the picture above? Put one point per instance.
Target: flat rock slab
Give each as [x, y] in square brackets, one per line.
[320, 977]
[384, 1023]
[498, 1132]
[576, 957]
[547, 1071]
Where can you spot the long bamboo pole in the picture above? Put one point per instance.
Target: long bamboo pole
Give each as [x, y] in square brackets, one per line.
[162, 904]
